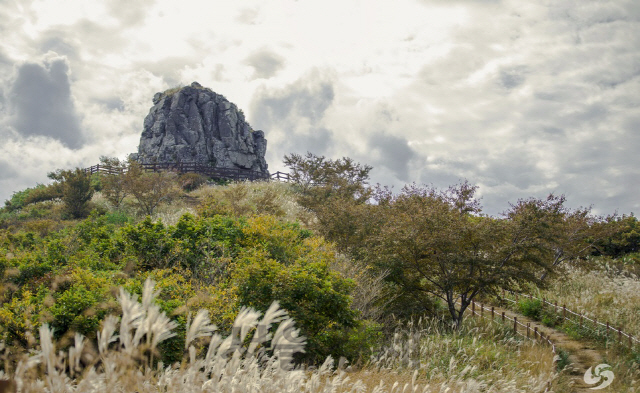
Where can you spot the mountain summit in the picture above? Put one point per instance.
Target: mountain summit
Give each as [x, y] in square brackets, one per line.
[194, 124]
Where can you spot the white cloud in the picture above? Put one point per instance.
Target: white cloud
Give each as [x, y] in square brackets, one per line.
[520, 98]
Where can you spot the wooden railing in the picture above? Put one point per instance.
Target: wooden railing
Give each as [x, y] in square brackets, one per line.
[532, 334]
[625, 339]
[234, 174]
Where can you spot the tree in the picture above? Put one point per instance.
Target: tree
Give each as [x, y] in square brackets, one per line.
[621, 236]
[336, 191]
[76, 190]
[438, 243]
[114, 183]
[320, 177]
[570, 233]
[149, 189]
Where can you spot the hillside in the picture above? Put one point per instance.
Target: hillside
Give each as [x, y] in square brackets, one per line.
[351, 274]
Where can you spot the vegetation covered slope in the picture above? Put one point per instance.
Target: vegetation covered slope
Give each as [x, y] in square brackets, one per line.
[350, 263]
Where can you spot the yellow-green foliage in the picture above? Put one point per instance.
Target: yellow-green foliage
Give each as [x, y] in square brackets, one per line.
[67, 278]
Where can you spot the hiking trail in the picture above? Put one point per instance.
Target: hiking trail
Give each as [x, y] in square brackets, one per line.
[582, 354]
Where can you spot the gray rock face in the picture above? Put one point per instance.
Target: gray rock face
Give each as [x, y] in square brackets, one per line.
[194, 124]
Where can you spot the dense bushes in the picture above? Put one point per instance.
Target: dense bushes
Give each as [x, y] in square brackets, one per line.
[219, 263]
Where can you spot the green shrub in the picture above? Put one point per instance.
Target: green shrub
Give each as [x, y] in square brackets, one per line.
[563, 359]
[204, 245]
[151, 243]
[41, 226]
[531, 308]
[22, 198]
[361, 341]
[550, 318]
[118, 218]
[315, 296]
[76, 310]
[30, 269]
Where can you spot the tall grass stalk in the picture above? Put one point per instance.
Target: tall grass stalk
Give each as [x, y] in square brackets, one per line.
[258, 357]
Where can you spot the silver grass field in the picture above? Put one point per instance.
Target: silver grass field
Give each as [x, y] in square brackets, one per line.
[257, 357]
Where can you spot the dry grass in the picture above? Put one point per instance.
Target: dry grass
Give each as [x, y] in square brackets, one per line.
[246, 198]
[610, 295]
[603, 294]
[256, 357]
[480, 357]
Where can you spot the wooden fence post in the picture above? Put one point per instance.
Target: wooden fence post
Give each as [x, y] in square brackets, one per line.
[535, 332]
[515, 325]
[481, 310]
[473, 308]
[528, 328]
[620, 334]
[503, 317]
[564, 312]
[607, 328]
[492, 313]
[555, 307]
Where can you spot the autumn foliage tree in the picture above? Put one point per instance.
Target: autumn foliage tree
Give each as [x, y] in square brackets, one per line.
[439, 243]
[113, 184]
[149, 189]
[337, 192]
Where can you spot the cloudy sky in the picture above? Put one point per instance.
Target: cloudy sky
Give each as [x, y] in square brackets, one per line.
[520, 98]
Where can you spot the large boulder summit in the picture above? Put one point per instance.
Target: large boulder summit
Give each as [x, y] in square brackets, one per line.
[194, 124]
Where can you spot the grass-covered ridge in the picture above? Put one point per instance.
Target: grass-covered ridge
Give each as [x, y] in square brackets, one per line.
[333, 259]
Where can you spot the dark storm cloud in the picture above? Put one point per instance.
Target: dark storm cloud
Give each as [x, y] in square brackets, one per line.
[292, 117]
[393, 153]
[307, 97]
[41, 102]
[512, 77]
[265, 63]
[515, 166]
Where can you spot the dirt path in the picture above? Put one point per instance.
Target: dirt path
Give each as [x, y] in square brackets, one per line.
[582, 355]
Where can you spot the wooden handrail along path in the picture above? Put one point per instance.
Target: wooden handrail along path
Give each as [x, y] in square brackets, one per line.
[625, 339]
[234, 174]
[497, 317]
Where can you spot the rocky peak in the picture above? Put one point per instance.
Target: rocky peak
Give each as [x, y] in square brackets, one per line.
[194, 124]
